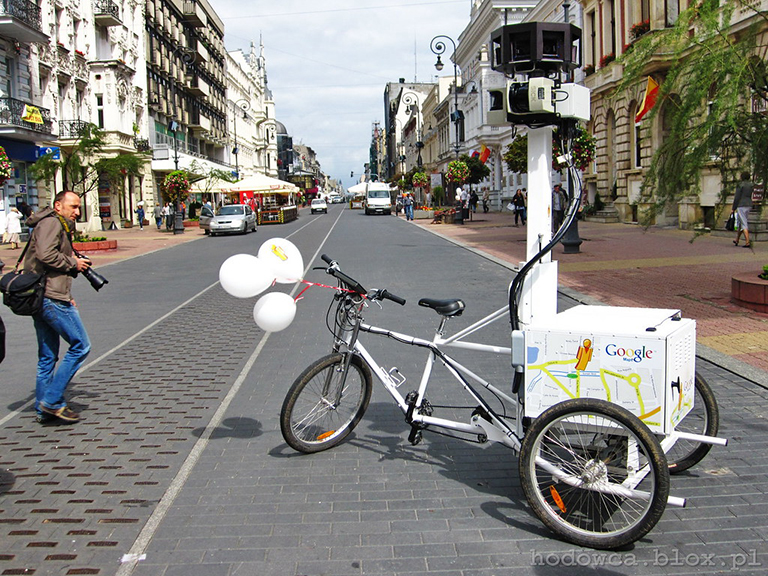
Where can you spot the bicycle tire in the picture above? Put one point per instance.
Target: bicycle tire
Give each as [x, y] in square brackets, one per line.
[308, 421]
[589, 440]
[704, 418]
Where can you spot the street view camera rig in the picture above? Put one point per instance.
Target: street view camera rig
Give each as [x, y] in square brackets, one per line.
[542, 51]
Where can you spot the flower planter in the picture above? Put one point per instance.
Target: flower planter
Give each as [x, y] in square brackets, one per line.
[93, 246]
[423, 214]
[191, 224]
[750, 291]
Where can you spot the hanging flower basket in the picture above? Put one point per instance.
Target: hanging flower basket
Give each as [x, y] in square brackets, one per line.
[458, 172]
[6, 168]
[176, 186]
[420, 180]
[582, 150]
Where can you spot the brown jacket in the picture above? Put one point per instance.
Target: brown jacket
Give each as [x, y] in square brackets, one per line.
[50, 251]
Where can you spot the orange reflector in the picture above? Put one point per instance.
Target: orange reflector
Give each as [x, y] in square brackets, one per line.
[557, 499]
[325, 435]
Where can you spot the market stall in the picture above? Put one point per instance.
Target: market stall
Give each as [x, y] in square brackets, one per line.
[357, 196]
[274, 199]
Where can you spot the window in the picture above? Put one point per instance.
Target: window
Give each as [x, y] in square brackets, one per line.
[591, 30]
[634, 136]
[671, 11]
[11, 71]
[100, 110]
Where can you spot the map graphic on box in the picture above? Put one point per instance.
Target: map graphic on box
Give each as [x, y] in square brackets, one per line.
[630, 371]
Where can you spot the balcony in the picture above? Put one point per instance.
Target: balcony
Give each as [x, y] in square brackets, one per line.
[106, 13]
[199, 87]
[197, 53]
[23, 121]
[193, 14]
[72, 129]
[200, 123]
[22, 21]
[142, 144]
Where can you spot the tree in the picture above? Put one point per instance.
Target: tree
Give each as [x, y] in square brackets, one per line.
[477, 170]
[713, 96]
[82, 165]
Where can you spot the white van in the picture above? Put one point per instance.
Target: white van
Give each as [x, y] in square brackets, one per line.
[377, 198]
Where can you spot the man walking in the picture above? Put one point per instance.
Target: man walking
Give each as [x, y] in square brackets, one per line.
[558, 207]
[50, 252]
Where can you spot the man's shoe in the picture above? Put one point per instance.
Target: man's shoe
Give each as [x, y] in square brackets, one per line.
[44, 418]
[62, 413]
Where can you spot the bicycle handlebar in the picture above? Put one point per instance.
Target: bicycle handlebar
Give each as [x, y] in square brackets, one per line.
[352, 284]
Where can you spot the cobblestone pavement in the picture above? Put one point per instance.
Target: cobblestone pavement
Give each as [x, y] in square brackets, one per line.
[184, 462]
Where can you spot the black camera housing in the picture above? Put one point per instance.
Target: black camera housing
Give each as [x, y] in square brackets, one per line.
[536, 48]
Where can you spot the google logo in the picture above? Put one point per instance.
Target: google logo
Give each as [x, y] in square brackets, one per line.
[629, 355]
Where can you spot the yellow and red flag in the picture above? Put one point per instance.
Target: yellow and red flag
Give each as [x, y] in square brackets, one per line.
[485, 152]
[649, 100]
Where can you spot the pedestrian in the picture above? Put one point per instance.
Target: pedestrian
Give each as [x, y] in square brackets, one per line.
[464, 197]
[518, 201]
[13, 227]
[473, 199]
[742, 204]
[140, 215]
[168, 213]
[157, 213]
[558, 206]
[50, 252]
[3, 227]
[183, 210]
[486, 200]
[408, 205]
[25, 209]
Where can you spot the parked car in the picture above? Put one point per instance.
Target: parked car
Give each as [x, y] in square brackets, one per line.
[206, 214]
[318, 205]
[235, 218]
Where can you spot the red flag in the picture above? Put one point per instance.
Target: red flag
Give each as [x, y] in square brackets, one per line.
[485, 152]
[649, 100]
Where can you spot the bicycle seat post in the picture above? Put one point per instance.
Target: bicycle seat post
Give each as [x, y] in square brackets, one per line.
[441, 328]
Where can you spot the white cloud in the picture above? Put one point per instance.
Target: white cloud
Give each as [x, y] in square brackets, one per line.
[328, 62]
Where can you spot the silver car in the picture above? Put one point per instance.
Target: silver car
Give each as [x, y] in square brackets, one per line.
[235, 218]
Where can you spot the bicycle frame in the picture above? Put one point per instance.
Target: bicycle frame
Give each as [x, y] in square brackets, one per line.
[493, 429]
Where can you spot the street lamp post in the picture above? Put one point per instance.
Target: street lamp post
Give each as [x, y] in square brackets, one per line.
[437, 45]
[243, 105]
[178, 220]
[411, 100]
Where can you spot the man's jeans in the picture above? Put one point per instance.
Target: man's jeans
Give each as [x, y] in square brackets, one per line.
[57, 320]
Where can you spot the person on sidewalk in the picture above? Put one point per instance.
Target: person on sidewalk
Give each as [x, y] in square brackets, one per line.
[50, 252]
[140, 215]
[157, 213]
[518, 201]
[486, 199]
[742, 204]
[558, 207]
[13, 227]
[408, 206]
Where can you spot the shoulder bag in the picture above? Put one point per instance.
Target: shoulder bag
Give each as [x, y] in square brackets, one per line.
[23, 292]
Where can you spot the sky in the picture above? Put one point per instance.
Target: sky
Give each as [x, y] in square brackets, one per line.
[328, 62]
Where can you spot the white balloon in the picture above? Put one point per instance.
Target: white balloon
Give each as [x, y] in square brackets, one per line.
[284, 259]
[274, 311]
[245, 276]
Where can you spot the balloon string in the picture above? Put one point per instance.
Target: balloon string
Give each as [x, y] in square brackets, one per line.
[310, 284]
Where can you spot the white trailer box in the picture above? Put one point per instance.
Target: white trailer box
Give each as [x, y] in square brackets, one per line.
[640, 358]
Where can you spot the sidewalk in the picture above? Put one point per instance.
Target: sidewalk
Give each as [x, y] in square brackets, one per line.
[625, 265]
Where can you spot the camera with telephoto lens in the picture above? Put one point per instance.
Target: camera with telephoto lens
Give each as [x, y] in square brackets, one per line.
[96, 279]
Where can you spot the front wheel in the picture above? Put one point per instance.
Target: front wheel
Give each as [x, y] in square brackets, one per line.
[325, 403]
[593, 473]
[704, 418]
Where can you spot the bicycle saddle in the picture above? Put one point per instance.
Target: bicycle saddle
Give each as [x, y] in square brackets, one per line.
[453, 307]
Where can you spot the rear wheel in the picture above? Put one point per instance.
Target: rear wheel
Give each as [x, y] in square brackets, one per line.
[325, 404]
[593, 473]
[704, 419]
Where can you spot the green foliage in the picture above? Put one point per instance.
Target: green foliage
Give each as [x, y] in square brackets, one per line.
[81, 165]
[437, 195]
[706, 100]
[516, 155]
[477, 170]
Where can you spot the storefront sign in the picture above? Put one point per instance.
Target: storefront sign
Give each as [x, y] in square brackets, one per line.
[43, 150]
[32, 115]
[758, 193]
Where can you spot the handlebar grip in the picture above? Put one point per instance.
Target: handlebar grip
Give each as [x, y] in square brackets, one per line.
[327, 259]
[396, 299]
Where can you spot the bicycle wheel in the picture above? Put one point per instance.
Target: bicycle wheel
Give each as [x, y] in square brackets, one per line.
[704, 418]
[317, 412]
[578, 460]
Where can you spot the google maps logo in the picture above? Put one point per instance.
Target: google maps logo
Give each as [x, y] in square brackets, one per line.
[628, 354]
